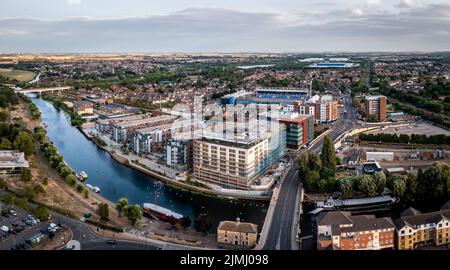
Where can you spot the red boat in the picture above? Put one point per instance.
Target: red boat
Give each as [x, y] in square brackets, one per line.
[161, 213]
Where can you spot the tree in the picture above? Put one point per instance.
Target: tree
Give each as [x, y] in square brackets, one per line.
[397, 185]
[25, 174]
[367, 185]
[328, 155]
[411, 188]
[86, 193]
[312, 178]
[71, 179]
[103, 211]
[80, 188]
[42, 212]
[24, 143]
[372, 118]
[314, 162]
[202, 224]
[5, 144]
[29, 192]
[346, 186]
[3, 116]
[302, 167]
[380, 181]
[2, 184]
[121, 203]
[134, 214]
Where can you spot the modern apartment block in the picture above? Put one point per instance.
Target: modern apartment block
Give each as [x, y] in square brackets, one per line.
[178, 153]
[237, 233]
[340, 230]
[415, 229]
[237, 162]
[122, 130]
[143, 141]
[299, 129]
[376, 105]
[326, 111]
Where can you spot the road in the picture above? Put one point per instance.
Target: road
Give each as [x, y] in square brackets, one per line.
[281, 234]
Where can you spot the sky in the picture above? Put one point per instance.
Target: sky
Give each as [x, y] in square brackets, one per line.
[96, 26]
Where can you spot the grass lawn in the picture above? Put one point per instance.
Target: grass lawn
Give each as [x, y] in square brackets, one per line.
[20, 75]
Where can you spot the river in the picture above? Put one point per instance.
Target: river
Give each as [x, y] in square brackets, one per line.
[116, 180]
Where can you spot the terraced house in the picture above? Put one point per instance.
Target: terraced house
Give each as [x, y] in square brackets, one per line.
[339, 230]
[416, 229]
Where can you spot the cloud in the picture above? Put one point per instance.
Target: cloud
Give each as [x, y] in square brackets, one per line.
[373, 2]
[211, 29]
[357, 12]
[73, 2]
[406, 4]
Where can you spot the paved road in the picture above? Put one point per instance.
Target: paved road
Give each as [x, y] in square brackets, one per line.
[102, 244]
[281, 234]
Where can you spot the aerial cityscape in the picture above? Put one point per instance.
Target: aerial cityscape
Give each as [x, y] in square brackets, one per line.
[138, 128]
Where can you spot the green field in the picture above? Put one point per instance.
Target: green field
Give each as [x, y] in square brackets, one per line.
[19, 75]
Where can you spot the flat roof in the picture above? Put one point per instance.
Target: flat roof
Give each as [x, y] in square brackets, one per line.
[126, 124]
[374, 97]
[281, 90]
[12, 158]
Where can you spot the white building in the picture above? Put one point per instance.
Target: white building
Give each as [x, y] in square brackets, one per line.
[12, 161]
[379, 156]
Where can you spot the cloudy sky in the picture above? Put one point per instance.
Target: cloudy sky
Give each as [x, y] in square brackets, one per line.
[224, 25]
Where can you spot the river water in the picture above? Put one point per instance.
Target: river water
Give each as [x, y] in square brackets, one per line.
[116, 180]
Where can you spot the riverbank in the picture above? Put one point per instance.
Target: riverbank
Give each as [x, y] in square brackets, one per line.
[117, 180]
[229, 194]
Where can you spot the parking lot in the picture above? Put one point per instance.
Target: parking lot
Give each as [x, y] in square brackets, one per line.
[418, 128]
[19, 227]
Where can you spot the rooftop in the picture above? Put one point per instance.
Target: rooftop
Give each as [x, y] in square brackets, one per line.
[374, 97]
[12, 158]
[356, 223]
[237, 226]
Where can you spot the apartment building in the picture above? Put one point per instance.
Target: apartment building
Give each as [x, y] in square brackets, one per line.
[237, 233]
[376, 105]
[326, 111]
[415, 229]
[143, 141]
[340, 230]
[122, 130]
[178, 153]
[236, 162]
